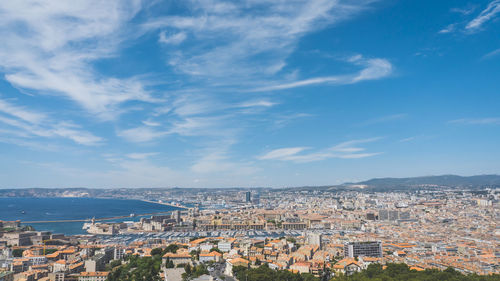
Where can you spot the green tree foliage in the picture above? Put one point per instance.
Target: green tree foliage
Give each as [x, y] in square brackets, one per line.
[264, 273]
[216, 250]
[17, 253]
[113, 264]
[397, 272]
[187, 269]
[157, 251]
[169, 263]
[194, 272]
[172, 248]
[138, 269]
[50, 251]
[195, 254]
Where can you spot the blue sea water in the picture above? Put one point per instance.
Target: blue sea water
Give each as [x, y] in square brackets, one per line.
[43, 209]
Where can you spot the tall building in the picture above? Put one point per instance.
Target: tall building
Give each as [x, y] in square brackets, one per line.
[404, 215]
[393, 215]
[370, 216]
[176, 215]
[256, 199]
[248, 197]
[366, 249]
[383, 215]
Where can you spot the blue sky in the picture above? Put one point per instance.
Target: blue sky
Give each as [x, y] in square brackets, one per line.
[246, 93]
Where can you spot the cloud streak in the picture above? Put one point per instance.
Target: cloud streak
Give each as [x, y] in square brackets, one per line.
[252, 46]
[22, 123]
[486, 15]
[345, 150]
[477, 121]
[49, 47]
[373, 69]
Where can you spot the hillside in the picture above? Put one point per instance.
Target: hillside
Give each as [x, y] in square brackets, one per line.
[454, 181]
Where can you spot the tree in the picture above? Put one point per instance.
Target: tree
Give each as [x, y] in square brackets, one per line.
[396, 272]
[147, 268]
[187, 268]
[157, 251]
[17, 253]
[264, 273]
[216, 250]
[172, 248]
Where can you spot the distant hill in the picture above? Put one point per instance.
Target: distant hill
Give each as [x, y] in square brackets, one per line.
[480, 181]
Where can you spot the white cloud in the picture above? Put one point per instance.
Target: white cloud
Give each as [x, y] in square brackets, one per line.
[26, 124]
[151, 123]
[486, 15]
[141, 156]
[174, 39]
[477, 121]
[49, 47]
[270, 33]
[282, 153]
[373, 69]
[345, 150]
[78, 136]
[409, 139]
[491, 54]
[213, 163]
[21, 112]
[141, 134]
[257, 103]
[449, 28]
[387, 118]
[464, 11]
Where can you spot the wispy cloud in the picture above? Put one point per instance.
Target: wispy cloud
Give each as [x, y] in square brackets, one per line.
[22, 123]
[282, 120]
[141, 156]
[387, 118]
[21, 112]
[449, 28]
[373, 69]
[252, 46]
[491, 54]
[141, 134]
[477, 121]
[464, 11]
[48, 48]
[282, 153]
[196, 116]
[174, 39]
[257, 103]
[474, 25]
[408, 139]
[219, 162]
[345, 150]
[486, 15]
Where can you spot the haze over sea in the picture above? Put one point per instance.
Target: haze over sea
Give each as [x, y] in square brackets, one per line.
[43, 209]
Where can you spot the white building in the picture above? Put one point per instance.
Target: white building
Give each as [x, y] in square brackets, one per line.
[225, 246]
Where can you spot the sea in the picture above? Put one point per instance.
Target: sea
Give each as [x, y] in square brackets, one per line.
[50, 209]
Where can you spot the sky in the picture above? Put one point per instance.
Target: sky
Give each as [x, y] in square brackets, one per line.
[201, 93]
